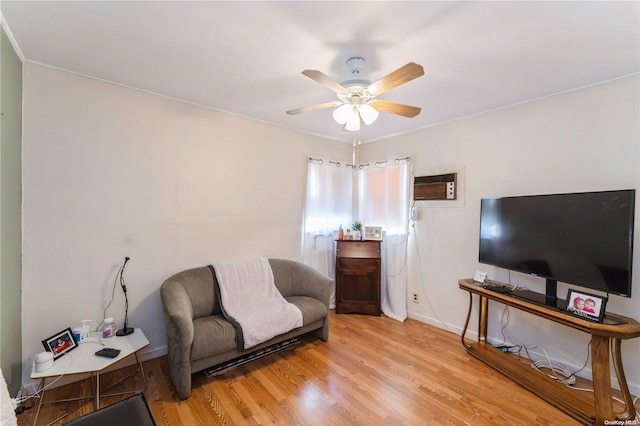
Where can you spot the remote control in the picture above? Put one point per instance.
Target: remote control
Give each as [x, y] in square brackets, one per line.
[108, 352]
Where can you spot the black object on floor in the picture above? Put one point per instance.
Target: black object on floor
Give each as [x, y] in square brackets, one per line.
[132, 411]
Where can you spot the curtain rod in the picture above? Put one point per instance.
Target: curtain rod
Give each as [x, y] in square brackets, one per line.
[384, 163]
[321, 161]
[361, 166]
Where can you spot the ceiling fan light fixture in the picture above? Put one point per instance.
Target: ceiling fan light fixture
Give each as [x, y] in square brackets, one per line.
[353, 122]
[368, 114]
[342, 113]
[356, 95]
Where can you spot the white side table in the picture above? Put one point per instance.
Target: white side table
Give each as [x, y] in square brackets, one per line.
[83, 360]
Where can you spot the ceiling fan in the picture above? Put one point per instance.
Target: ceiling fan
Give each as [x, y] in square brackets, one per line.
[357, 98]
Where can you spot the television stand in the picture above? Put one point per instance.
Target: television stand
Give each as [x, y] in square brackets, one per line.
[606, 341]
[538, 299]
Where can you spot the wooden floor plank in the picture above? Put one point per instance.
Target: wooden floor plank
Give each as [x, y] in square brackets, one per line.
[373, 370]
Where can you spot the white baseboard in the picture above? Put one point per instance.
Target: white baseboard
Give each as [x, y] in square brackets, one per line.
[152, 353]
[439, 324]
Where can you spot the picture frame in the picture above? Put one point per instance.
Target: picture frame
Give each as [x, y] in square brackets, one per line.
[585, 305]
[60, 343]
[373, 233]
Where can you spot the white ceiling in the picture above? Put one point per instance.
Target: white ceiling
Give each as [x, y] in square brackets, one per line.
[246, 58]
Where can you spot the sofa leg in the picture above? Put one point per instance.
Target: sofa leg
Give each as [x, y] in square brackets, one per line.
[181, 378]
[322, 333]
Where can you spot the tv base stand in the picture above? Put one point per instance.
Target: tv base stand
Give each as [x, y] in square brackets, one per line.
[606, 341]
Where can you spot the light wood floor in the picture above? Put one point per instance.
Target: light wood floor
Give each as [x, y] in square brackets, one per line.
[373, 371]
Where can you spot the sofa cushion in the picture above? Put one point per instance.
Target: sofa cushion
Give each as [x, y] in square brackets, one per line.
[312, 309]
[212, 335]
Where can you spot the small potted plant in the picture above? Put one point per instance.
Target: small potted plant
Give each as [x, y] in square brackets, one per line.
[357, 228]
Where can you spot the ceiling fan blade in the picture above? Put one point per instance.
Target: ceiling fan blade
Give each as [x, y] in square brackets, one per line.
[400, 76]
[325, 81]
[395, 108]
[314, 107]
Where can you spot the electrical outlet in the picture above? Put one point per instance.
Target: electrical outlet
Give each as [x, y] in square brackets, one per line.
[415, 297]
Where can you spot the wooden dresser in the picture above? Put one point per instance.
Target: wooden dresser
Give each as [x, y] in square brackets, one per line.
[358, 269]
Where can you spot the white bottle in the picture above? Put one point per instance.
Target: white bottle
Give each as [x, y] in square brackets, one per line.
[81, 333]
[107, 330]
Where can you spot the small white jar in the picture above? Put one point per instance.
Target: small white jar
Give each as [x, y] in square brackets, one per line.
[107, 330]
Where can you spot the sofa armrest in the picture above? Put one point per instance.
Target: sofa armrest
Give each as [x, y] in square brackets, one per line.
[303, 280]
[178, 310]
[178, 316]
[314, 284]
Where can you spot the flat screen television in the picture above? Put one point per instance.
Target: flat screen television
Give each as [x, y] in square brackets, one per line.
[584, 239]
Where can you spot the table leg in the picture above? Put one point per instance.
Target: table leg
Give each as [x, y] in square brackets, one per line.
[96, 402]
[466, 323]
[42, 388]
[483, 319]
[144, 379]
[630, 411]
[601, 378]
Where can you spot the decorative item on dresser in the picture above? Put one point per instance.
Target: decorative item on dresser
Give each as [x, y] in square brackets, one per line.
[372, 233]
[358, 269]
[357, 229]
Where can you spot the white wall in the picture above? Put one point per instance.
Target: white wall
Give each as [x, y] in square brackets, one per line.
[10, 215]
[585, 140]
[111, 172]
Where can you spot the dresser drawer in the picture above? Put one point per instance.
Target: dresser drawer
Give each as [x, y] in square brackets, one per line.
[357, 265]
[358, 249]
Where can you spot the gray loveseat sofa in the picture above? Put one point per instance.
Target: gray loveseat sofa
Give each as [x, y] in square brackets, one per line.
[199, 336]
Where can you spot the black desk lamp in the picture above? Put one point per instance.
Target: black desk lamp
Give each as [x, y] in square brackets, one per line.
[125, 331]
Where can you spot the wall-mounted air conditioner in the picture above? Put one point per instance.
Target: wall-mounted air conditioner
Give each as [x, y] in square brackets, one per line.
[435, 187]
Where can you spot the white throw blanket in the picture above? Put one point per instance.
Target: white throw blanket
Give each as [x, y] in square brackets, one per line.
[7, 415]
[250, 298]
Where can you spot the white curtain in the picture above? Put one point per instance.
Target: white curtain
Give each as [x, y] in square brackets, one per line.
[328, 204]
[383, 200]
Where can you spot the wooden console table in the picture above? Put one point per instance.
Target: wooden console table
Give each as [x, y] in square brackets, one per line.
[606, 340]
